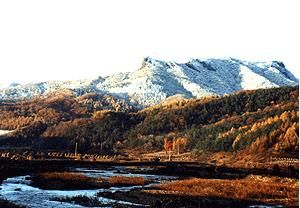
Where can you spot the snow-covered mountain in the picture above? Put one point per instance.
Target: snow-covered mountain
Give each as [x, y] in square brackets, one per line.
[157, 80]
[4, 85]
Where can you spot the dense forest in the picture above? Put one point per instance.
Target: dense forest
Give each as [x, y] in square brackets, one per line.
[252, 121]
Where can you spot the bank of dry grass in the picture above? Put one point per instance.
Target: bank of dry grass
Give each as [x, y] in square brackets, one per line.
[71, 180]
[272, 190]
[66, 176]
[124, 180]
[67, 181]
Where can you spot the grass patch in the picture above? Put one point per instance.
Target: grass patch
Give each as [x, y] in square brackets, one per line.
[163, 200]
[271, 190]
[77, 181]
[127, 181]
[67, 176]
[67, 181]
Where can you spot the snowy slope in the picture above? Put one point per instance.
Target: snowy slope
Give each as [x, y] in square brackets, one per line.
[157, 80]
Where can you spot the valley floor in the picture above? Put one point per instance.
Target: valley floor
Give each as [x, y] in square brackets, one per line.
[197, 184]
[198, 192]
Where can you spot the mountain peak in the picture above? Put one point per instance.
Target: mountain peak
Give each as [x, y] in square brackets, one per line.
[151, 62]
[157, 80]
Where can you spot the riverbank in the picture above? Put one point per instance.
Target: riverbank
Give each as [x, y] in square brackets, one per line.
[79, 181]
[193, 184]
[176, 168]
[198, 192]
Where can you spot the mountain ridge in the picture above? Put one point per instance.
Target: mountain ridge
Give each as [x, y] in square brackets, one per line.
[157, 80]
[253, 121]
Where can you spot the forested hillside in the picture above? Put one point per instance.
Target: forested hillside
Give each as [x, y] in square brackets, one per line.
[252, 121]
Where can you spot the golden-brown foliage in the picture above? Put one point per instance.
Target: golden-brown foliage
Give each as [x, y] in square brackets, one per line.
[264, 189]
[101, 114]
[123, 180]
[69, 176]
[261, 118]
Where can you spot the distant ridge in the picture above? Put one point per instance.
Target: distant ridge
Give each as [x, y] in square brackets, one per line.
[157, 80]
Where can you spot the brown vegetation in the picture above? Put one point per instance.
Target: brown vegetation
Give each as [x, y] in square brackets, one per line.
[254, 121]
[66, 181]
[272, 190]
[71, 180]
[124, 180]
[66, 176]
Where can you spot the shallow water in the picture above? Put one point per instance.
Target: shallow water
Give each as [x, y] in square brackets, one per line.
[121, 171]
[19, 190]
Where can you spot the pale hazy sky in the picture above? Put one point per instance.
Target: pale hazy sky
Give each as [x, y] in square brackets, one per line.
[71, 39]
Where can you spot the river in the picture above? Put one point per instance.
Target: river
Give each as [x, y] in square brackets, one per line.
[19, 190]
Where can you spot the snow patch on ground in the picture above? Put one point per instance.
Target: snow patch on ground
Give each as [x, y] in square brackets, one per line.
[252, 80]
[4, 132]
